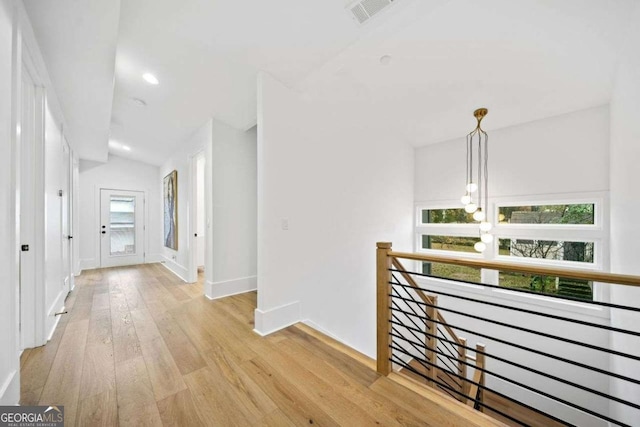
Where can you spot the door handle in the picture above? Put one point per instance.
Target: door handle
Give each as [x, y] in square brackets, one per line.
[104, 232]
[69, 237]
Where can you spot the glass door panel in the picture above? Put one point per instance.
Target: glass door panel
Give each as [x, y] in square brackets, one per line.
[122, 214]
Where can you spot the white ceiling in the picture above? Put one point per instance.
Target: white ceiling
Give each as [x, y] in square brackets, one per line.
[78, 42]
[524, 60]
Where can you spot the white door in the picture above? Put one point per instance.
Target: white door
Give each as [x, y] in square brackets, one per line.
[27, 223]
[65, 216]
[121, 227]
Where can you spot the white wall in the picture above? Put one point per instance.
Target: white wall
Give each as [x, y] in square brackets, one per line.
[234, 211]
[9, 358]
[341, 185]
[625, 227]
[562, 154]
[178, 260]
[568, 155]
[118, 174]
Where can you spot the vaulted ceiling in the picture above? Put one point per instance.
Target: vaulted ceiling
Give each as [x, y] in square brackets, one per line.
[523, 60]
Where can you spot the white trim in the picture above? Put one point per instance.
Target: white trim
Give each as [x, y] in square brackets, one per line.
[10, 390]
[270, 321]
[192, 203]
[51, 321]
[89, 264]
[153, 258]
[175, 268]
[225, 288]
[559, 306]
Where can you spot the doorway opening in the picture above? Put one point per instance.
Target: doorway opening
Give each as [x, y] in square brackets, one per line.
[121, 227]
[198, 218]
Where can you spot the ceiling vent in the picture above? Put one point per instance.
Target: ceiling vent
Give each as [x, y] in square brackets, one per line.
[363, 10]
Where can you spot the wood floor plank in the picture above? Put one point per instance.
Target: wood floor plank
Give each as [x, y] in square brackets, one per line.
[98, 370]
[245, 391]
[133, 384]
[30, 397]
[326, 395]
[179, 410]
[100, 301]
[125, 340]
[276, 418]
[36, 368]
[164, 375]
[63, 383]
[212, 401]
[378, 406]
[185, 354]
[100, 327]
[299, 408]
[357, 371]
[139, 416]
[140, 347]
[146, 328]
[99, 410]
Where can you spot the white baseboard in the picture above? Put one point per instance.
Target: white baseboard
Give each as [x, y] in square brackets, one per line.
[320, 329]
[215, 290]
[153, 258]
[10, 389]
[89, 264]
[267, 322]
[175, 268]
[52, 320]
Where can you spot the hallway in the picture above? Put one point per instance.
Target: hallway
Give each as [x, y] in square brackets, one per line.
[140, 347]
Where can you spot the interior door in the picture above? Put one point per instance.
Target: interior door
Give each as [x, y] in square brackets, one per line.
[121, 227]
[65, 216]
[27, 224]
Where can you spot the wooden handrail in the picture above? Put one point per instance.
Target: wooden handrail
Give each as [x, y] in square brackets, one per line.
[618, 279]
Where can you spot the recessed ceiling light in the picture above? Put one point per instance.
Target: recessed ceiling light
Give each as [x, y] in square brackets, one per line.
[385, 59]
[118, 146]
[139, 102]
[150, 78]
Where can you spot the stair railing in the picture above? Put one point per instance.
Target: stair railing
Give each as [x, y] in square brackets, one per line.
[415, 339]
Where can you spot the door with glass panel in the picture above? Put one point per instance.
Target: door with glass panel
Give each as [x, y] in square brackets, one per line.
[121, 227]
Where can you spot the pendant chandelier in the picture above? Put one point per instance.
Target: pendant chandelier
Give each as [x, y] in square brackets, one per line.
[476, 197]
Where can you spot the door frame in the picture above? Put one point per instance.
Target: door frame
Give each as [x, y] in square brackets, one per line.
[192, 208]
[31, 292]
[98, 217]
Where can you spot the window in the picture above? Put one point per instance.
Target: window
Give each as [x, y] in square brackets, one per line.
[547, 249]
[548, 214]
[449, 243]
[561, 232]
[446, 216]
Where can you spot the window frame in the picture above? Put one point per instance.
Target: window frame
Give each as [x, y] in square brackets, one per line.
[596, 233]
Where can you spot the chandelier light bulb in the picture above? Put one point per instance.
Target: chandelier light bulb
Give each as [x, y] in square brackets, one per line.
[472, 187]
[487, 238]
[485, 226]
[480, 247]
[471, 208]
[466, 199]
[478, 215]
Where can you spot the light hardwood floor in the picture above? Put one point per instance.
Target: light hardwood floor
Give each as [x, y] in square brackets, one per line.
[140, 347]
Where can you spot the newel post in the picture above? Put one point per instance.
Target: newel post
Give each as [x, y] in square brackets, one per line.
[383, 292]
